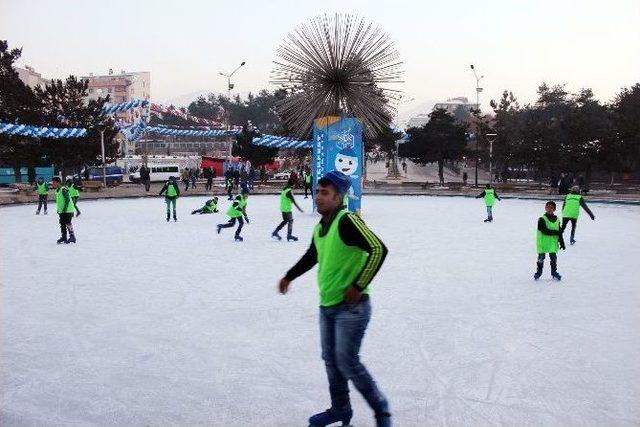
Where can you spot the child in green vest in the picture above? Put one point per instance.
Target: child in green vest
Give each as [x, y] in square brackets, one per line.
[43, 194]
[286, 201]
[548, 240]
[228, 183]
[210, 206]
[490, 195]
[571, 211]
[75, 195]
[65, 209]
[307, 184]
[236, 211]
[173, 192]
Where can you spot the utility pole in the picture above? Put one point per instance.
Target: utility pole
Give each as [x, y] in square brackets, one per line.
[478, 90]
[227, 118]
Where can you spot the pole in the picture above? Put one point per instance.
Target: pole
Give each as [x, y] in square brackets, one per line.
[104, 167]
[477, 133]
[491, 161]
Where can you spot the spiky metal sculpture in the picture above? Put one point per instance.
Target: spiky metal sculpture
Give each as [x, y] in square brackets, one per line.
[337, 65]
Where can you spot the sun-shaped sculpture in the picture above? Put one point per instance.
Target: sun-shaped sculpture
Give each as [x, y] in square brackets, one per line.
[337, 65]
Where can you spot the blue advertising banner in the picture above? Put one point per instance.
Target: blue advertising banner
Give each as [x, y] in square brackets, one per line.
[337, 145]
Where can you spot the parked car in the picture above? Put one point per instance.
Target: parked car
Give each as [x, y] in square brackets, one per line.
[284, 176]
[113, 174]
[157, 173]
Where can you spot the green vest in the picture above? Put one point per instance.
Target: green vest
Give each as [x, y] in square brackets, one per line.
[345, 201]
[338, 264]
[73, 191]
[285, 201]
[548, 244]
[60, 201]
[489, 196]
[42, 189]
[307, 179]
[210, 207]
[237, 212]
[571, 206]
[171, 190]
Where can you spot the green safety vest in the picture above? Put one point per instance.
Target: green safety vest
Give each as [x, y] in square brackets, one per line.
[73, 191]
[42, 189]
[307, 179]
[171, 190]
[285, 201]
[60, 201]
[338, 264]
[548, 244]
[345, 201]
[210, 207]
[237, 212]
[571, 206]
[489, 196]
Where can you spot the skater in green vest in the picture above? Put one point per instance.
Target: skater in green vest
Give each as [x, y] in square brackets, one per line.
[210, 206]
[348, 255]
[43, 193]
[75, 195]
[65, 209]
[228, 184]
[490, 195]
[571, 211]
[307, 184]
[236, 212]
[172, 193]
[548, 240]
[286, 202]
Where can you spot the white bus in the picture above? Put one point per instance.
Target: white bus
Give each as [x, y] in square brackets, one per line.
[158, 173]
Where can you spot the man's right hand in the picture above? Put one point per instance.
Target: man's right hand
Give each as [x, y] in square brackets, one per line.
[283, 286]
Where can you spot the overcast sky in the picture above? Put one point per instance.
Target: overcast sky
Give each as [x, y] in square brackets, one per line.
[184, 44]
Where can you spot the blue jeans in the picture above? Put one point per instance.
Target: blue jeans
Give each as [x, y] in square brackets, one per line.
[342, 328]
[489, 212]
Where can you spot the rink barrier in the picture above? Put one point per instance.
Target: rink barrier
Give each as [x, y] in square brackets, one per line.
[276, 191]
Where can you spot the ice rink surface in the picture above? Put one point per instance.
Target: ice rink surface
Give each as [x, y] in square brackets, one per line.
[144, 322]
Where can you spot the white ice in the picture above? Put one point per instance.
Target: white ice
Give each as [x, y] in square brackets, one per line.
[144, 322]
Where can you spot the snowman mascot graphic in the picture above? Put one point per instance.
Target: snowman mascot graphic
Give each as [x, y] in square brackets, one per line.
[347, 162]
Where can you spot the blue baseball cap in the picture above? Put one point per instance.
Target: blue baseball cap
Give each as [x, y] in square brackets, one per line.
[339, 180]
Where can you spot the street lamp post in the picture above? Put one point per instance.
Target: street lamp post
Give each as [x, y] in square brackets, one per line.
[104, 166]
[394, 171]
[478, 90]
[229, 87]
[491, 137]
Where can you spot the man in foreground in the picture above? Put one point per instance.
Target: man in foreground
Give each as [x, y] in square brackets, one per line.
[348, 255]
